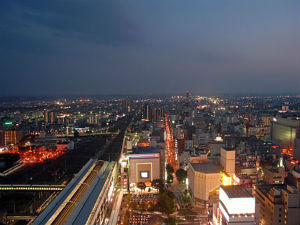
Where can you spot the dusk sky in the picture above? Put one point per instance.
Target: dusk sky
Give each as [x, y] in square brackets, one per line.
[74, 47]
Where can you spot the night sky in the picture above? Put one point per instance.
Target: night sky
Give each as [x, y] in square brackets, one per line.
[75, 47]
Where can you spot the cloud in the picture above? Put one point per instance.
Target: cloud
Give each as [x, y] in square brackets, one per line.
[39, 25]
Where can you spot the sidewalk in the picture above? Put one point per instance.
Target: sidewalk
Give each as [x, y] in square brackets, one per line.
[116, 208]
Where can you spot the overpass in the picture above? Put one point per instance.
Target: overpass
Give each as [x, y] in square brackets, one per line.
[29, 187]
[86, 134]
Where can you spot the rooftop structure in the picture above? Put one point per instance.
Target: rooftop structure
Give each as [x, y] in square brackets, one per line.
[236, 191]
[85, 198]
[209, 167]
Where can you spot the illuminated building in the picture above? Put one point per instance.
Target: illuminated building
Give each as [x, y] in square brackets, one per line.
[9, 137]
[236, 206]
[203, 178]
[46, 117]
[283, 131]
[146, 112]
[228, 160]
[49, 117]
[157, 114]
[187, 106]
[277, 204]
[93, 119]
[52, 118]
[145, 164]
[266, 120]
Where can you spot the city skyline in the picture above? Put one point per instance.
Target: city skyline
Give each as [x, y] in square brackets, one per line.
[54, 48]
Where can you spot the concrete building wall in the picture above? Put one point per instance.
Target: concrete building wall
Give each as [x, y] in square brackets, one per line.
[136, 166]
[228, 160]
[284, 131]
[201, 184]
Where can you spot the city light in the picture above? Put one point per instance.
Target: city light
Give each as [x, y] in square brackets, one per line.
[36, 155]
[244, 205]
[226, 179]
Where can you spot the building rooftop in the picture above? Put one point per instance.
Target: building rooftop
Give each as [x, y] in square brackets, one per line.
[228, 148]
[208, 167]
[76, 203]
[266, 188]
[236, 191]
[145, 150]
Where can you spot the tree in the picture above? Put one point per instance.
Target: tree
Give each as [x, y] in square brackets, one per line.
[134, 205]
[169, 169]
[128, 200]
[165, 203]
[170, 178]
[171, 220]
[181, 175]
[141, 185]
[76, 134]
[126, 218]
[171, 194]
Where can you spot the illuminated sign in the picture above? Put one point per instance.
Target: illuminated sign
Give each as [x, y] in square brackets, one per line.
[241, 205]
[218, 139]
[154, 155]
[7, 123]
[226, 179]
[144, 174]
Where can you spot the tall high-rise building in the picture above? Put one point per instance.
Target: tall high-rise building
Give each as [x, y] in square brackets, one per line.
[146, 112]
[9, 137]
[93, 119]
[157, 114]
[52, 117]
[46, 117]
[187, 106]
